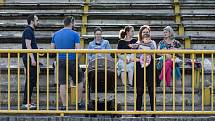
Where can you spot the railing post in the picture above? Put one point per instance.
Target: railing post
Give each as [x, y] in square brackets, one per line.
[84, 23]
[2, 2]
[178, 21]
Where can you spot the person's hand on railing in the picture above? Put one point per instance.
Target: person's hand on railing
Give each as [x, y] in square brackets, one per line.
[137, 60]
[41, 54]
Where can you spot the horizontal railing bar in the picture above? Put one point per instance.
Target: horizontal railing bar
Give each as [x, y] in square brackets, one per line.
[106, 51]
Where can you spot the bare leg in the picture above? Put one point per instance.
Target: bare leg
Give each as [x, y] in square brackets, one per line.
[123, 78]
[130, 77]
[81, 95]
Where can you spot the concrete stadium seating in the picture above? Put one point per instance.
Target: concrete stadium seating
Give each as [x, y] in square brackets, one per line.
[197, 18]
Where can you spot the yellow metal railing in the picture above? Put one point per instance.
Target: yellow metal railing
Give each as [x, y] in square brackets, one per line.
[178, 21]
[126, 108]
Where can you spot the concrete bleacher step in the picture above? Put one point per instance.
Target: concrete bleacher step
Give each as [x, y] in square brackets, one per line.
[120, 96]
[43, 78]
[9, 26]
[50, 15]
[128, 1]
[41, 6]
[40, 1]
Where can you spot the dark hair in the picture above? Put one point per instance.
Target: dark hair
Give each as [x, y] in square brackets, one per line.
[123, 32]
[68, 20]
[140, 37]
[30, 18]
[97, 29]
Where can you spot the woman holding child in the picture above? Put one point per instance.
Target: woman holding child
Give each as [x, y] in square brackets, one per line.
[145, 42]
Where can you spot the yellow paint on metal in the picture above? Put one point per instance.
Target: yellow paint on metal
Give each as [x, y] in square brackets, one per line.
[57, 81]
[203, 80]
[84, 24]
[38, 83]
[154, 89]
[67, 83]
[177, 19]
[125, 83]
[135, 82]
[73, 94]
[76, 91]
[2, 2]
[28, 80]
[86, 80]
[197, 78]
[173, 91]
[187, 43]
[207, 96]
[144, 85]
[61, 113]
[193, 74]
[177, 9]
[183, 92]
[164, 84]
[181, 30]
[105, 82]
[0, 87]
[8, 70]
[18, 75]
[47, 81]
[115, 70]
[176, 1]
[212, 83]
[106, 51]
[96, 81]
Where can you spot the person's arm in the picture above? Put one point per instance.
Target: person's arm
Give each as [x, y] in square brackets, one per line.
[77, 46]
[90, 54]
[119, 46]
[178, 47]
[28, 46]
[108, 47]
[52, 46]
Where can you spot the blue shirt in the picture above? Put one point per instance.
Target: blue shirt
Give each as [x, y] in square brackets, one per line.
[104, 44]
[66, 39]
[29, 34]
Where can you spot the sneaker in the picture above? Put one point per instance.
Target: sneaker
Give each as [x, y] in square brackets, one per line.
[33, 104]
[63, 108]
[31, 107]
[81, 105]
[130, 85]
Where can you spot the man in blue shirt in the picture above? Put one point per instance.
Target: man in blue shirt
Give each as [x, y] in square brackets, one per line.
[29, 42]
[66, 38]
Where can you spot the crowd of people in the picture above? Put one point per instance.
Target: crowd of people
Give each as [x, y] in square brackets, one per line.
[67, 38]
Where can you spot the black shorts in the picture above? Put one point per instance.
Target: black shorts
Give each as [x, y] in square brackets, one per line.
[71, 72]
